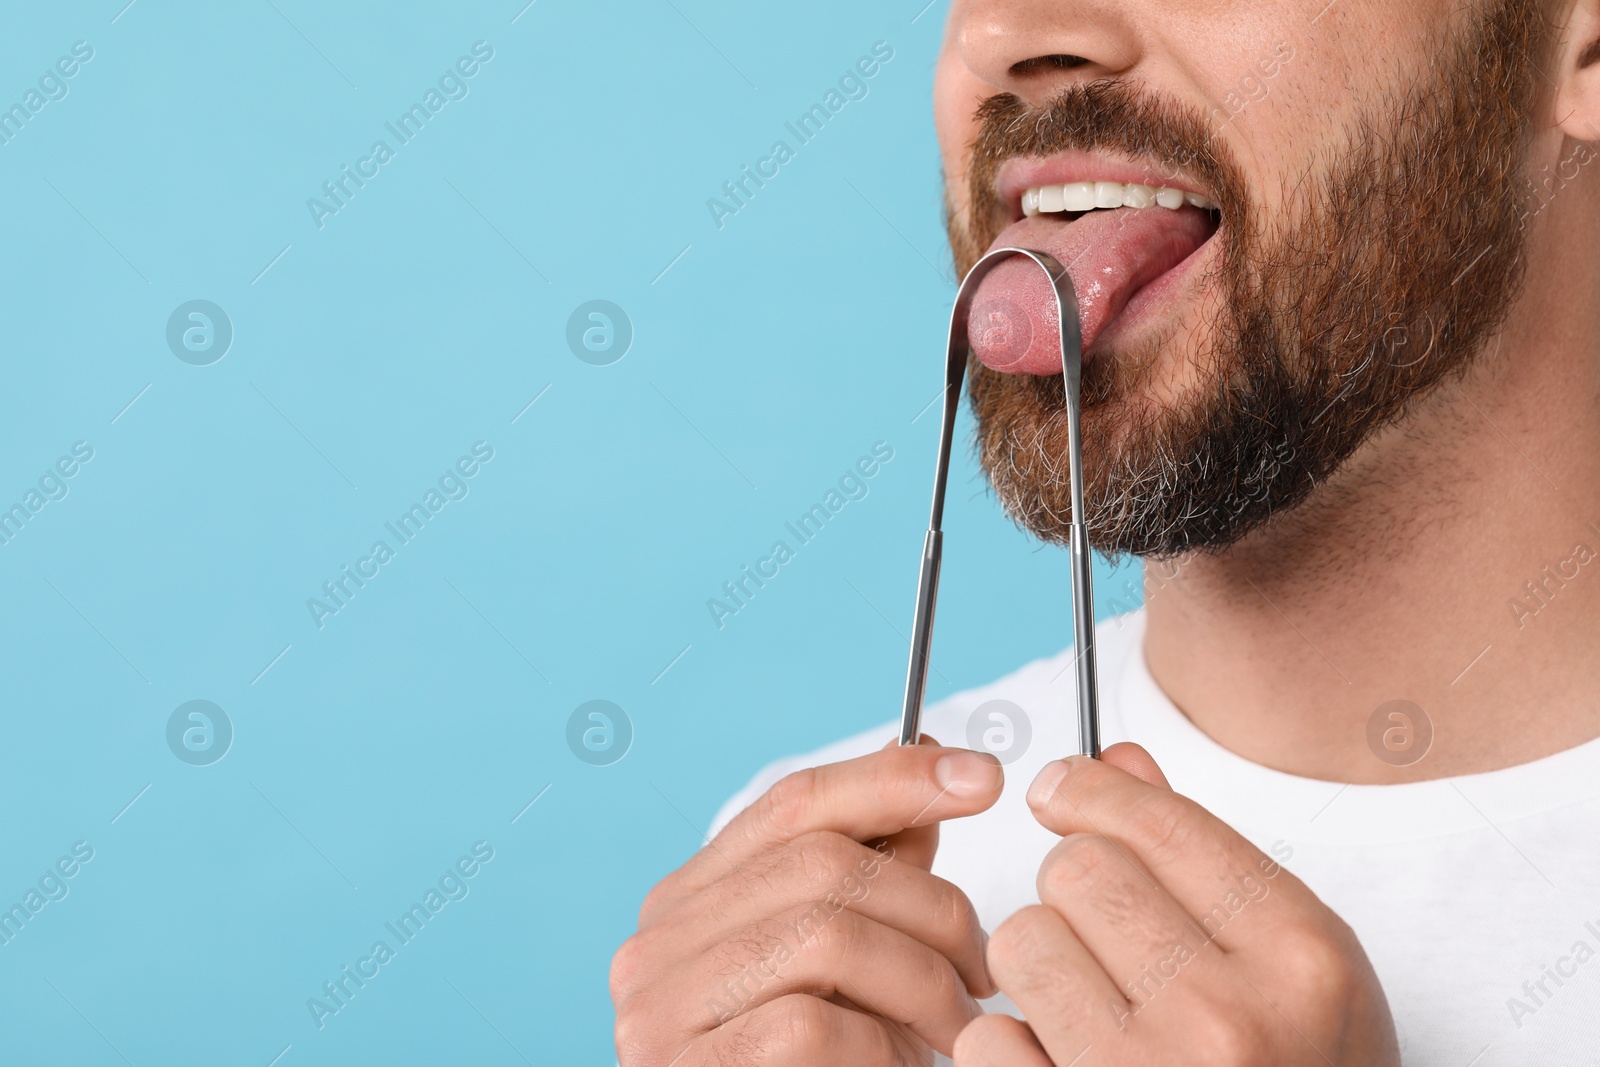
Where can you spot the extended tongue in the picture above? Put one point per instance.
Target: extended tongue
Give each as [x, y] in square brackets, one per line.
[1110, 254]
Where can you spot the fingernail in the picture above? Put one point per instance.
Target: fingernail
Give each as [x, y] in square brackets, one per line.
[1044, 786]
[967, 774]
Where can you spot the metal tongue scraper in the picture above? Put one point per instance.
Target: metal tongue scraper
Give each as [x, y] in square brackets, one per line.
[1082, 589]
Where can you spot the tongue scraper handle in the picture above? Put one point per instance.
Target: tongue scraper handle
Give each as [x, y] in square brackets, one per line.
[1082, 587]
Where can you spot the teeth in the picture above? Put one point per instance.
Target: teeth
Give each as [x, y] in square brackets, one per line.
[1079, 196]
[1088, 196]
[1138, 196]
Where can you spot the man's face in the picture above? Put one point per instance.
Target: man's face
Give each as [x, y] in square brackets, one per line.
[1358, 168]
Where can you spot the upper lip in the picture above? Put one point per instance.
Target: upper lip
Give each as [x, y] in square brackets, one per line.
[1019, 174]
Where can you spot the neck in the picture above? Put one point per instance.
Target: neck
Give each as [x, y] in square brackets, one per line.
[1453, 563]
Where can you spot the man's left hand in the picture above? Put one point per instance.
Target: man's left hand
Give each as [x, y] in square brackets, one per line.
[1166, 937]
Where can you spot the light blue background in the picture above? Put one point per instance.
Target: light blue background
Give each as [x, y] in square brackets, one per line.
[368, 355]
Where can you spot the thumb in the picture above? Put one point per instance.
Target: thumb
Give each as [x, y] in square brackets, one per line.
[1136, 761]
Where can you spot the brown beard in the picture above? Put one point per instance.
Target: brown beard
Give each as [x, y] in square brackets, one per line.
[1392, 267]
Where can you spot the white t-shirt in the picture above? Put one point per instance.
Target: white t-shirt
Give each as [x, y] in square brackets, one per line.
[1477, 898]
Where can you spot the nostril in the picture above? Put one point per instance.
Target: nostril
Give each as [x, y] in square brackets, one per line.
[1050, 62]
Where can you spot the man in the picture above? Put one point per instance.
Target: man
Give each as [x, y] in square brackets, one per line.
[1342, 386]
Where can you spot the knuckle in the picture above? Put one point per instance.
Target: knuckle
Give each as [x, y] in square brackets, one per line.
[944, 986]
[1317, 964]
[821, 860]
[901, 779]
[656, 901]
[802, 1029]
[1015, 944]
[789, 802]
[833, 932]
[939, 987]
[635, 1037]
[984, 1039]
[760, 874]
[811, 924]
[1078, 859]
[758, 942]
[953, 912]
[1162, 824]
[1230, 1038]
[628, 968]
[803, 1024]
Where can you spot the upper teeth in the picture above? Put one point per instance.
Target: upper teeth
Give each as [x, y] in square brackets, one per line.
[1087, 196]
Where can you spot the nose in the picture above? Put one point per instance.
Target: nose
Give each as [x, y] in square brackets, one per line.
[1034, 48]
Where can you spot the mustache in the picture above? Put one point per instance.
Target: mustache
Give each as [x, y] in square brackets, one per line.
[1110, 116]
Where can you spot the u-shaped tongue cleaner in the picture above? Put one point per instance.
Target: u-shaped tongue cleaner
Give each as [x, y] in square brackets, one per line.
[1082, 589]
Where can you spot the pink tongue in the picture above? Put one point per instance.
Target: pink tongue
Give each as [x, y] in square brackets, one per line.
[1110, 254]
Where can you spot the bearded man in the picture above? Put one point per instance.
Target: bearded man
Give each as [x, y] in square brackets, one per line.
[1337, 266]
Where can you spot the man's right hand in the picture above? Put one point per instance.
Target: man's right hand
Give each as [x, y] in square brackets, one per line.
[810, 931]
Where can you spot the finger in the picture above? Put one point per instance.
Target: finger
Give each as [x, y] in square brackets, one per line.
[1132, 926]
[824, 955]
[918, 844]
[829, 871]
[999, 1041]
[871, 796]
[915, 847]
[793, 1031]
[1137, 762]
[1204, 863]
[1069, 1000]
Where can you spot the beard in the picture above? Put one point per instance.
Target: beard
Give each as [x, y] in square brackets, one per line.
[1381, 278]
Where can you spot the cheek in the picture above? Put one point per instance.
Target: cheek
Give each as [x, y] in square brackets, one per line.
[1327, 75]
[956, 95]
